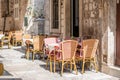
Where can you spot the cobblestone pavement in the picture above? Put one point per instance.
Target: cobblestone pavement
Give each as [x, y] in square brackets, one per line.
[16, 66]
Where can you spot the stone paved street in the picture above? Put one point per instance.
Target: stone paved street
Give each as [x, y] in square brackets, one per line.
[18, 67]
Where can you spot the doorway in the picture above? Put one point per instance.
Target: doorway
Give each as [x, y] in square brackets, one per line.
[75, 18]
[117, 62]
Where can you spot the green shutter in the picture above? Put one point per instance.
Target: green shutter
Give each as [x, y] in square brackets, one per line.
[25, 21]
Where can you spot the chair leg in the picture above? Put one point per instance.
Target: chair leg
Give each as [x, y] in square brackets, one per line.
[21, 43]
[96, 68]
[33, 56]
[71, 66]
[15, 43]
[47, 62]
[1, 44]
[66, 65]
[83, 67]
[75, 68]
[54, 65]
[62, 68]
[9, 45]
[50, 65]
[27, 55]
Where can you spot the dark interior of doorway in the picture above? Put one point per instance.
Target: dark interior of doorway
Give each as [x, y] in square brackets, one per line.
[75, 18]
[117, 62]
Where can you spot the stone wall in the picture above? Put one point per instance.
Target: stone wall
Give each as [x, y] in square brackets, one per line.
[47, 16]
[22, 13]
[109, 40]
[92, 23]
[104, 29]
[11, 23]
[0, 9]
[35, 10]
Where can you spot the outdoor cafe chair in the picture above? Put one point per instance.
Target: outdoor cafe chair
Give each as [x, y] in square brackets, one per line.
[6, 39]
[17, 38]
[68, 50]
[37, 43]
[48, 51]
[88, 53]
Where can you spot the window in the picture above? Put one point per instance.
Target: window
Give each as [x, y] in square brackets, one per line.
[55, 14]
[16, 9]
[25, 21]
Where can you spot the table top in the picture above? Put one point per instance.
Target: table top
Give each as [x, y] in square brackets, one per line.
[51, 46]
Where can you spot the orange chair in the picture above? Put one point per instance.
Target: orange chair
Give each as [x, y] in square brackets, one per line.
[17, 37]
[7, 39]
[38, 42]
[88, 52]
[68, 53]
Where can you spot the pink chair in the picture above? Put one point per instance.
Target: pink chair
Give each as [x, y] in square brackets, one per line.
[49, 53]
[68, 53]
[88, 52]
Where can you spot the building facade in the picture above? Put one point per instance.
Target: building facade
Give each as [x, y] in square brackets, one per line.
[67, 18]
[96, 18]
[12, 14]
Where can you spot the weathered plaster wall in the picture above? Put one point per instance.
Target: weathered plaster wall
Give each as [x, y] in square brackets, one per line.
[35, 10]
[112, 32]
[0, 9]
[105, 30]
[22, 13]
[109, 38]
[109, 31]
[47, 16]
[92, 23]
[67, 18]
[11, 23]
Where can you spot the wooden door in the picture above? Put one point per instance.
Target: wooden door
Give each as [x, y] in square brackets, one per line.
[118, 36]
